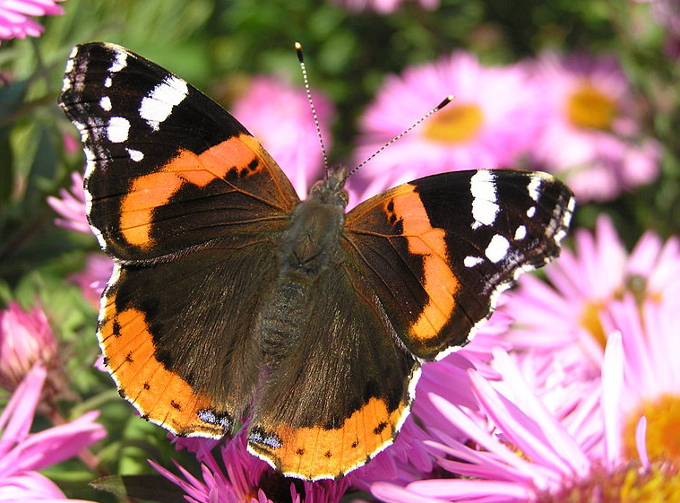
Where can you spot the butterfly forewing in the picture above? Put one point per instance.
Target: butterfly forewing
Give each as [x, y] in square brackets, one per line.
[167, 167]
[437, 251]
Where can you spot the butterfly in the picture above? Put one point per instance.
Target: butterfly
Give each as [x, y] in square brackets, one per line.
[231, 298]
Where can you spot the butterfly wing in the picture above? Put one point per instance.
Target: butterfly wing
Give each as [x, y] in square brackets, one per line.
[341, 395]
[170, 172]
[437, 251]
[167, 167]
[178, 336]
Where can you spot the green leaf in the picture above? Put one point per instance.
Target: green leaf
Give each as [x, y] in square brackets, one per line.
[148, 487]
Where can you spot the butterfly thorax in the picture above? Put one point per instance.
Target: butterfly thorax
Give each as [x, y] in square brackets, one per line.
[309, 246]
[313, 236]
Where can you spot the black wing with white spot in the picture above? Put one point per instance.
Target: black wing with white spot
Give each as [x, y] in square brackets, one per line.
[166, 167]
[438, 250]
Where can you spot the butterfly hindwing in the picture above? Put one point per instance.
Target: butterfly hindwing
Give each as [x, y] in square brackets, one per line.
[167, 167]
[169, 333]
[438, 250]
[341, 394]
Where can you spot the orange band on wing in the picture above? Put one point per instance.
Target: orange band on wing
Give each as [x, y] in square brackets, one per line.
[239, 153]
[315, 453]
[438, 280]
[163, 397]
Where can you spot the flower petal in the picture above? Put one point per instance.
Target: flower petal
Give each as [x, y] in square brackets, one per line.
[60, 442]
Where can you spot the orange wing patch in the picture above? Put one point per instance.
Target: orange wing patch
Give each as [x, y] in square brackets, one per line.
[320, 453]
[159, 395]
[244, 153]
[438, 280]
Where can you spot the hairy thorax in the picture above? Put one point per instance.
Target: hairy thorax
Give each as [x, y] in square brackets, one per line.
[310, 245]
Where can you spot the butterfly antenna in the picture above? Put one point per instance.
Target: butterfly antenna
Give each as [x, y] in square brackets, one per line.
[436, 109]
[303, 67]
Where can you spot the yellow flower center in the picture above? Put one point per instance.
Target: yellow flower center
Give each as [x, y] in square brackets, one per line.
[663, 428]
[590, 314]
[659, 483]
[590, 320]
[590, 108]
[457, 123]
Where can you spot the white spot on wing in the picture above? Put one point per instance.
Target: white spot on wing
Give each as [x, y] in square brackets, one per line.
[520, 233]
[484, 207]
[89, 161]
[119, 61]
[88, 202]
[100, 238]
[497, 249]
[118, 129]
[135, 155]
[70, 64]
[471, 261]
[72, 56]
[105, 103]
[534, 187]
[531, 212]
[158, 104]
[571, 206]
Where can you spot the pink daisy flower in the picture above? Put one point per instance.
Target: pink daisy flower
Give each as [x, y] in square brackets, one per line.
[93, 278]
[239, 477]
[592, 135]
[280, 117]
[564, 314]
[26, 338]
[71, 206]
[23, 454]
[526, 454]
[489, 124]
[15, 21]
[383, 6]
[652, 373]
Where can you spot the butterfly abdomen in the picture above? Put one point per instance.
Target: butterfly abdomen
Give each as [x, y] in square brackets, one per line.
[309, 246]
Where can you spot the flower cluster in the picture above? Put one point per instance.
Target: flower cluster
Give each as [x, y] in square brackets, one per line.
[23, 454]
[26, 338]
[571, 115]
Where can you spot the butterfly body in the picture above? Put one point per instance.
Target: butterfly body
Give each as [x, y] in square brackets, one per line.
[309, 246]
[231, 298]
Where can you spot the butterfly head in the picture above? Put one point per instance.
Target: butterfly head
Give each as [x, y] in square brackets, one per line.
[331, 190]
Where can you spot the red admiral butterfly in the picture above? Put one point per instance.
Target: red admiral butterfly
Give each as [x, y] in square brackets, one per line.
[230, 296]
